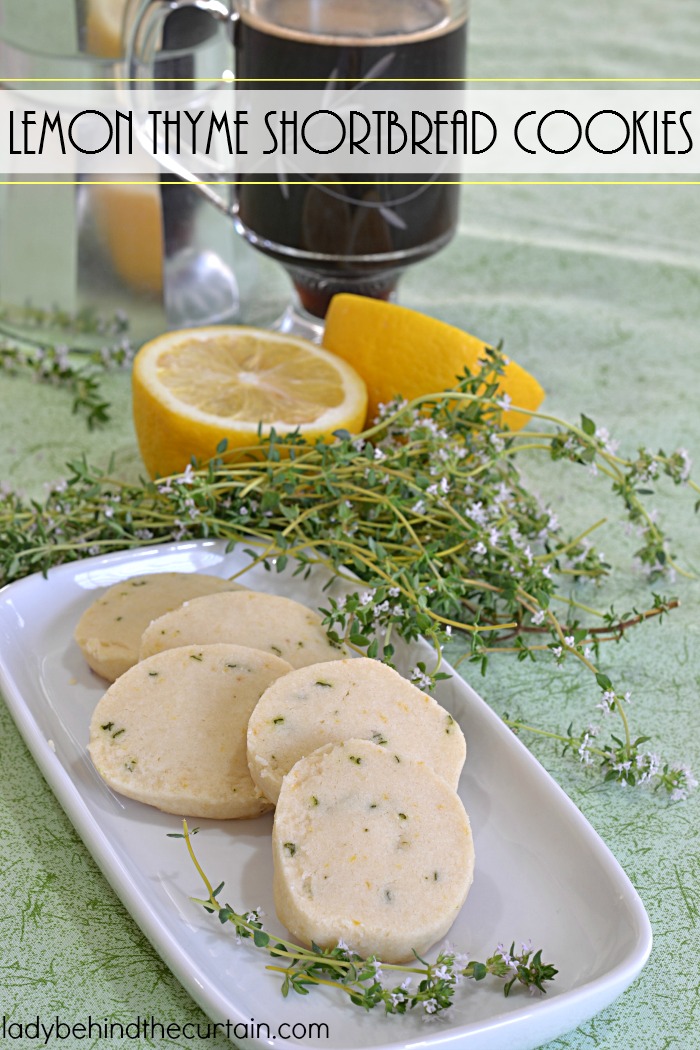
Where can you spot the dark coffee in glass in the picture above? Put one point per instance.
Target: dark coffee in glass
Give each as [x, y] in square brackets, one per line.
[337, 233]
[329, 234]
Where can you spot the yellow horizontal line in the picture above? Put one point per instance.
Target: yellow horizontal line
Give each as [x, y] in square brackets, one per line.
[368, 182]
[326, 80]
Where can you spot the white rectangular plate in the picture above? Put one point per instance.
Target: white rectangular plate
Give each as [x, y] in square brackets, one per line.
[542, 873]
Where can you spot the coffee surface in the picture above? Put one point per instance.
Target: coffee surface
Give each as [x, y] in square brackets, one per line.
[385, 22]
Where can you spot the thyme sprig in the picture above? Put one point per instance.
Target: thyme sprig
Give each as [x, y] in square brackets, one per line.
[619, 760]
[430, 986]
[427, 517]
[67, 350]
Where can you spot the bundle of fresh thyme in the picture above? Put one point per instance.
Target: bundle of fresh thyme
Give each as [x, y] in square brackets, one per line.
[431, 987]
[428, 511]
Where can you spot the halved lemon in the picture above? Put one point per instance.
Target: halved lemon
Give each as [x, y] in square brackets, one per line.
[193, 388]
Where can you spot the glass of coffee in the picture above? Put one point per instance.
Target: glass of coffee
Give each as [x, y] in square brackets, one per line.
[337, 233]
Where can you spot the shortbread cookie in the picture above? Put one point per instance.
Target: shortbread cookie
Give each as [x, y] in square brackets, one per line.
[276, 625]
[330, 702]
[171, 731]
[109, 631]
[370, 847]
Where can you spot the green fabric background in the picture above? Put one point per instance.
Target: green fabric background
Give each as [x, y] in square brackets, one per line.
[595, 289]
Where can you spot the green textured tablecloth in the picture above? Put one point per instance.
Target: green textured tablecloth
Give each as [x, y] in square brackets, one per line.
[595, 289]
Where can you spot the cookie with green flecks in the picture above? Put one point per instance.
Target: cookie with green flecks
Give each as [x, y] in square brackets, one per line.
[109, 631]
[371, 847]
[330, 702]
[171, 731]
[268, 622]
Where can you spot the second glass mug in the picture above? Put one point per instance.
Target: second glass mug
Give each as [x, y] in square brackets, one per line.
[332, 235]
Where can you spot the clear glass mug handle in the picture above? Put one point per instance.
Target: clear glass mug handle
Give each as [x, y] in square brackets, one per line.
[144, 24]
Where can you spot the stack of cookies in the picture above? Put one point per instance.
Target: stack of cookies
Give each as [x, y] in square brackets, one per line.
[226, 703]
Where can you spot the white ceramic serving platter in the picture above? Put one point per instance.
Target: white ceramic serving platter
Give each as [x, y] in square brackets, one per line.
[542, 873]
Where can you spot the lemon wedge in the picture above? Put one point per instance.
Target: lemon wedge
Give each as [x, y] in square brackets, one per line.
[402, 352]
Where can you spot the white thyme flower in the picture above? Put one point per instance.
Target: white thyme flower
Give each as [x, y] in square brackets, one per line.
[602, 435]
[443, 973]
[606, 701]
[583, 752]
[507, 957]
[420, 678]
[502, 494]
[686, 463]
[476, 512]
[687, 774]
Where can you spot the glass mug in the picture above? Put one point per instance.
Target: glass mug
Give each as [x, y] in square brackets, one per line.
[331, 235]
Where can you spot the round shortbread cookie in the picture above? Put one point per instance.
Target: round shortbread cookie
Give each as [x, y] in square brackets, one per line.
[171, 731]
[370, 847]
[109, 631]
[268, 622]
[331, 702]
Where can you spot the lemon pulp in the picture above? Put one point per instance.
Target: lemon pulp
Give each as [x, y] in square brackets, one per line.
[194, 388]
